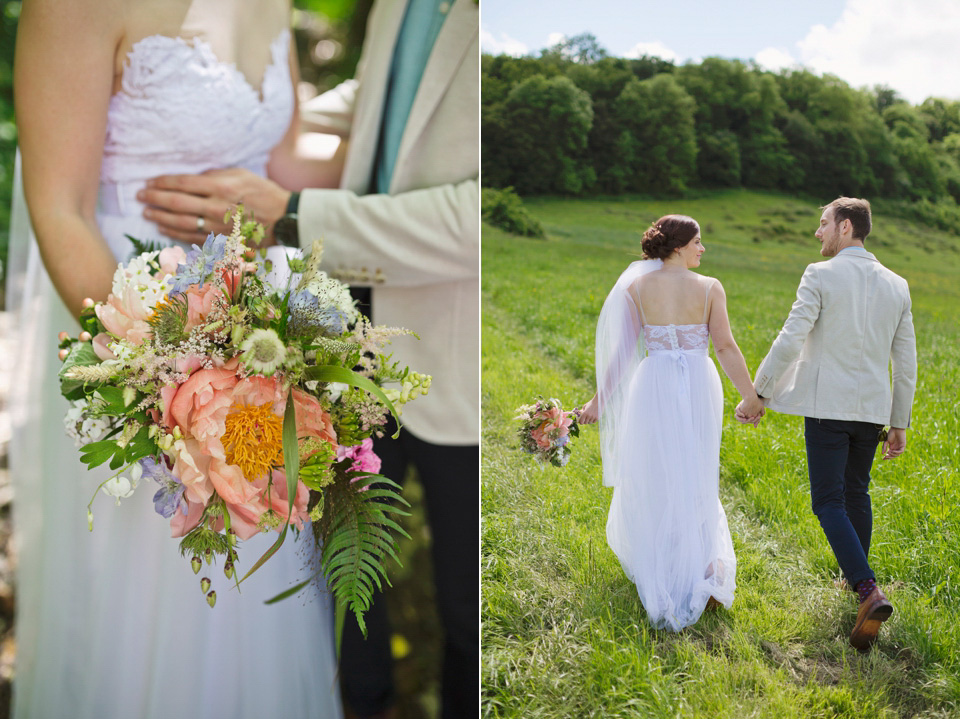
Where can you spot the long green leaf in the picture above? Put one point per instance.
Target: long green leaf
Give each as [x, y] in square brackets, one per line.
[335, 373]
[291, 452]
[269, 553]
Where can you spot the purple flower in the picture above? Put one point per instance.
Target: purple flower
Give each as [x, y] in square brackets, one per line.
[308, 314]
[199, 264]
[169, 497]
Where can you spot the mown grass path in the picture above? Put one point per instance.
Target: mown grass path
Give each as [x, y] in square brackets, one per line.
[564, 634]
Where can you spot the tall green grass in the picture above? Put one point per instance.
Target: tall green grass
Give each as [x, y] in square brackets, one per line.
[564, 634]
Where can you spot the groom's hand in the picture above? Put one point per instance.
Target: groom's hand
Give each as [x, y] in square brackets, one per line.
[750, 411]
[895, 443]
[189, 207]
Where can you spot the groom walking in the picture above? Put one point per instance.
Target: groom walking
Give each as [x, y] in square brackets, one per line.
[829, 364]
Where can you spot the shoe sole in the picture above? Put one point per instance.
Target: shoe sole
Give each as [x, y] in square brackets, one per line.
[864, 638]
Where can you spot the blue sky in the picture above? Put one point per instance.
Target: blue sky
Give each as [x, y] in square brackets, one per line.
[912, 46]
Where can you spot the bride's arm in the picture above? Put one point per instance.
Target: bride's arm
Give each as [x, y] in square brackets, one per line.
[63, 78]
[729, 354]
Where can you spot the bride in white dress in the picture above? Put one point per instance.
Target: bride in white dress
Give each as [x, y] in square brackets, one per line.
[113, 623]
[660, 408]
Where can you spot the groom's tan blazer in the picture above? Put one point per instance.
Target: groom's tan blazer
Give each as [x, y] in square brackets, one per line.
[832, 359]
[419, 246]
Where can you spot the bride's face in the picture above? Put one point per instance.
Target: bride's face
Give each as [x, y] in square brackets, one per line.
[691, 252]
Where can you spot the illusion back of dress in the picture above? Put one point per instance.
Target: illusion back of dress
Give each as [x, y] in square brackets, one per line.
[116, 615]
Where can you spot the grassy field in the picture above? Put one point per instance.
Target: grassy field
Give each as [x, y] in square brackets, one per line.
[564, 634]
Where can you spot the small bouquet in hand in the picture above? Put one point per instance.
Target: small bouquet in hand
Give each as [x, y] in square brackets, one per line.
[546, 430]
[250, 407]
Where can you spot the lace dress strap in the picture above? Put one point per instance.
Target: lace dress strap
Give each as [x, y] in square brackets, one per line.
[706, 302]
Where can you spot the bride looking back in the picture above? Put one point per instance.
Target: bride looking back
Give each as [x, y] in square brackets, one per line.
[660, 406]
[113, 623]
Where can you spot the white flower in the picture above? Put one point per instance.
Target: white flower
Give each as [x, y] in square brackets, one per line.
[138, 275]
[334, 389]
[122, 487]
[263, 352]
[81, 427]
[331, 292]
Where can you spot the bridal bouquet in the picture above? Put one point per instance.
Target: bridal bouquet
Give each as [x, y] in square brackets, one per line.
[247, 407]
[546, 429]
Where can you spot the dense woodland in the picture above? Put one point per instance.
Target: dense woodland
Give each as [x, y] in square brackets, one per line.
[575, 121]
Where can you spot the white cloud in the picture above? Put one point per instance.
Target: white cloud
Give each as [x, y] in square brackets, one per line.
[555, 38]
[505, 45]
[913, 47]
[653, 49]
[775, 59]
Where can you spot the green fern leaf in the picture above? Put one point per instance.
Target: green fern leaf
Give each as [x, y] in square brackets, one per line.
[358, 534]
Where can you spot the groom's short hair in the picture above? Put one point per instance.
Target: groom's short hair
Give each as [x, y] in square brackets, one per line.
[855, 210]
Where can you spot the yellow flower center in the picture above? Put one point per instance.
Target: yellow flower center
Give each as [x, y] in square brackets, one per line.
[253, 439]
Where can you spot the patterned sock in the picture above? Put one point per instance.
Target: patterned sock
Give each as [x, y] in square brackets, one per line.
[865, 587]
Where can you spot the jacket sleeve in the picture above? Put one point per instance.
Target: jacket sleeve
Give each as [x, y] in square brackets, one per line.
[788, 344]
[411, 239]
[903, 355]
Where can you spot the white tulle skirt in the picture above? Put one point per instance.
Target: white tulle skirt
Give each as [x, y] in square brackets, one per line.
[666, 523]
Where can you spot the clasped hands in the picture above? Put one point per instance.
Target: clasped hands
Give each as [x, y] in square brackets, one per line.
[750, 411]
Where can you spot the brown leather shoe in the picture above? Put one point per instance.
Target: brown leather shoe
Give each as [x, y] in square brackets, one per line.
[712, 605]
[874, 610]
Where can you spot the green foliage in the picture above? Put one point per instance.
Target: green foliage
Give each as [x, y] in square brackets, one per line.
[657, 145]
[357, 535]
[794, 131]
[538, 136]
[563, 633]
[504, 209]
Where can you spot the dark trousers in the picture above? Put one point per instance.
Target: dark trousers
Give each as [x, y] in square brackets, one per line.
[449, 475]
[839, 457]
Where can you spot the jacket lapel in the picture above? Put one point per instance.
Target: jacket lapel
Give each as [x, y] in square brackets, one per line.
[453, 42]
[373, 75]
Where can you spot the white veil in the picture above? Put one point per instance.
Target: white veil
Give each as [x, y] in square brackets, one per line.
[619, 351]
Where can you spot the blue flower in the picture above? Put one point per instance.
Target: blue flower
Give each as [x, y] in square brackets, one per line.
[308, 313]
[169, 498]
[199, 264]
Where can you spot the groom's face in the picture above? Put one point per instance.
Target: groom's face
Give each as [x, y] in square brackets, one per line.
[829, 234]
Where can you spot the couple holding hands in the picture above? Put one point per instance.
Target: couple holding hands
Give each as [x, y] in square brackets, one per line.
[661, 414]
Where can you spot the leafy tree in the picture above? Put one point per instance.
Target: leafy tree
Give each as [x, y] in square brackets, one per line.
[658, 140]
[582, 49]
[549, 120]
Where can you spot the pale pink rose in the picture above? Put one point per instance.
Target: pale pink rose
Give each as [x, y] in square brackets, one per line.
[244, 517]
[200, 301]
[190, 363]
[125, 317]
[181, 524]
[255, 391]
[312, 420]
[191, 465]
[230, 483]
[168, 260]
[100, 346]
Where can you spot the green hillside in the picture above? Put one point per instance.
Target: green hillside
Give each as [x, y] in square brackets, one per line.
[564, 634]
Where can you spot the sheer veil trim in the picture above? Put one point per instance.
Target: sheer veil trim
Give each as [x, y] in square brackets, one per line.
[619, 351]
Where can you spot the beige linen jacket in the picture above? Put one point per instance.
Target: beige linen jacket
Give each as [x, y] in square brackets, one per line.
[419, 246]
[831, 360]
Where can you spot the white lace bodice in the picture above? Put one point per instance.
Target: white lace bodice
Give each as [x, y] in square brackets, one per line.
[676, 337]
[181, 110]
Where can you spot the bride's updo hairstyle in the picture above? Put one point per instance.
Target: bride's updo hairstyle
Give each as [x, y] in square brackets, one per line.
[667, 234]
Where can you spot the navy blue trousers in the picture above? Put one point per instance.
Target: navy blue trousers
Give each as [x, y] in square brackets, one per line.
[839, 458]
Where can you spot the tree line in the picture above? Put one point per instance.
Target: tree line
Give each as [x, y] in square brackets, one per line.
[575, 121]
